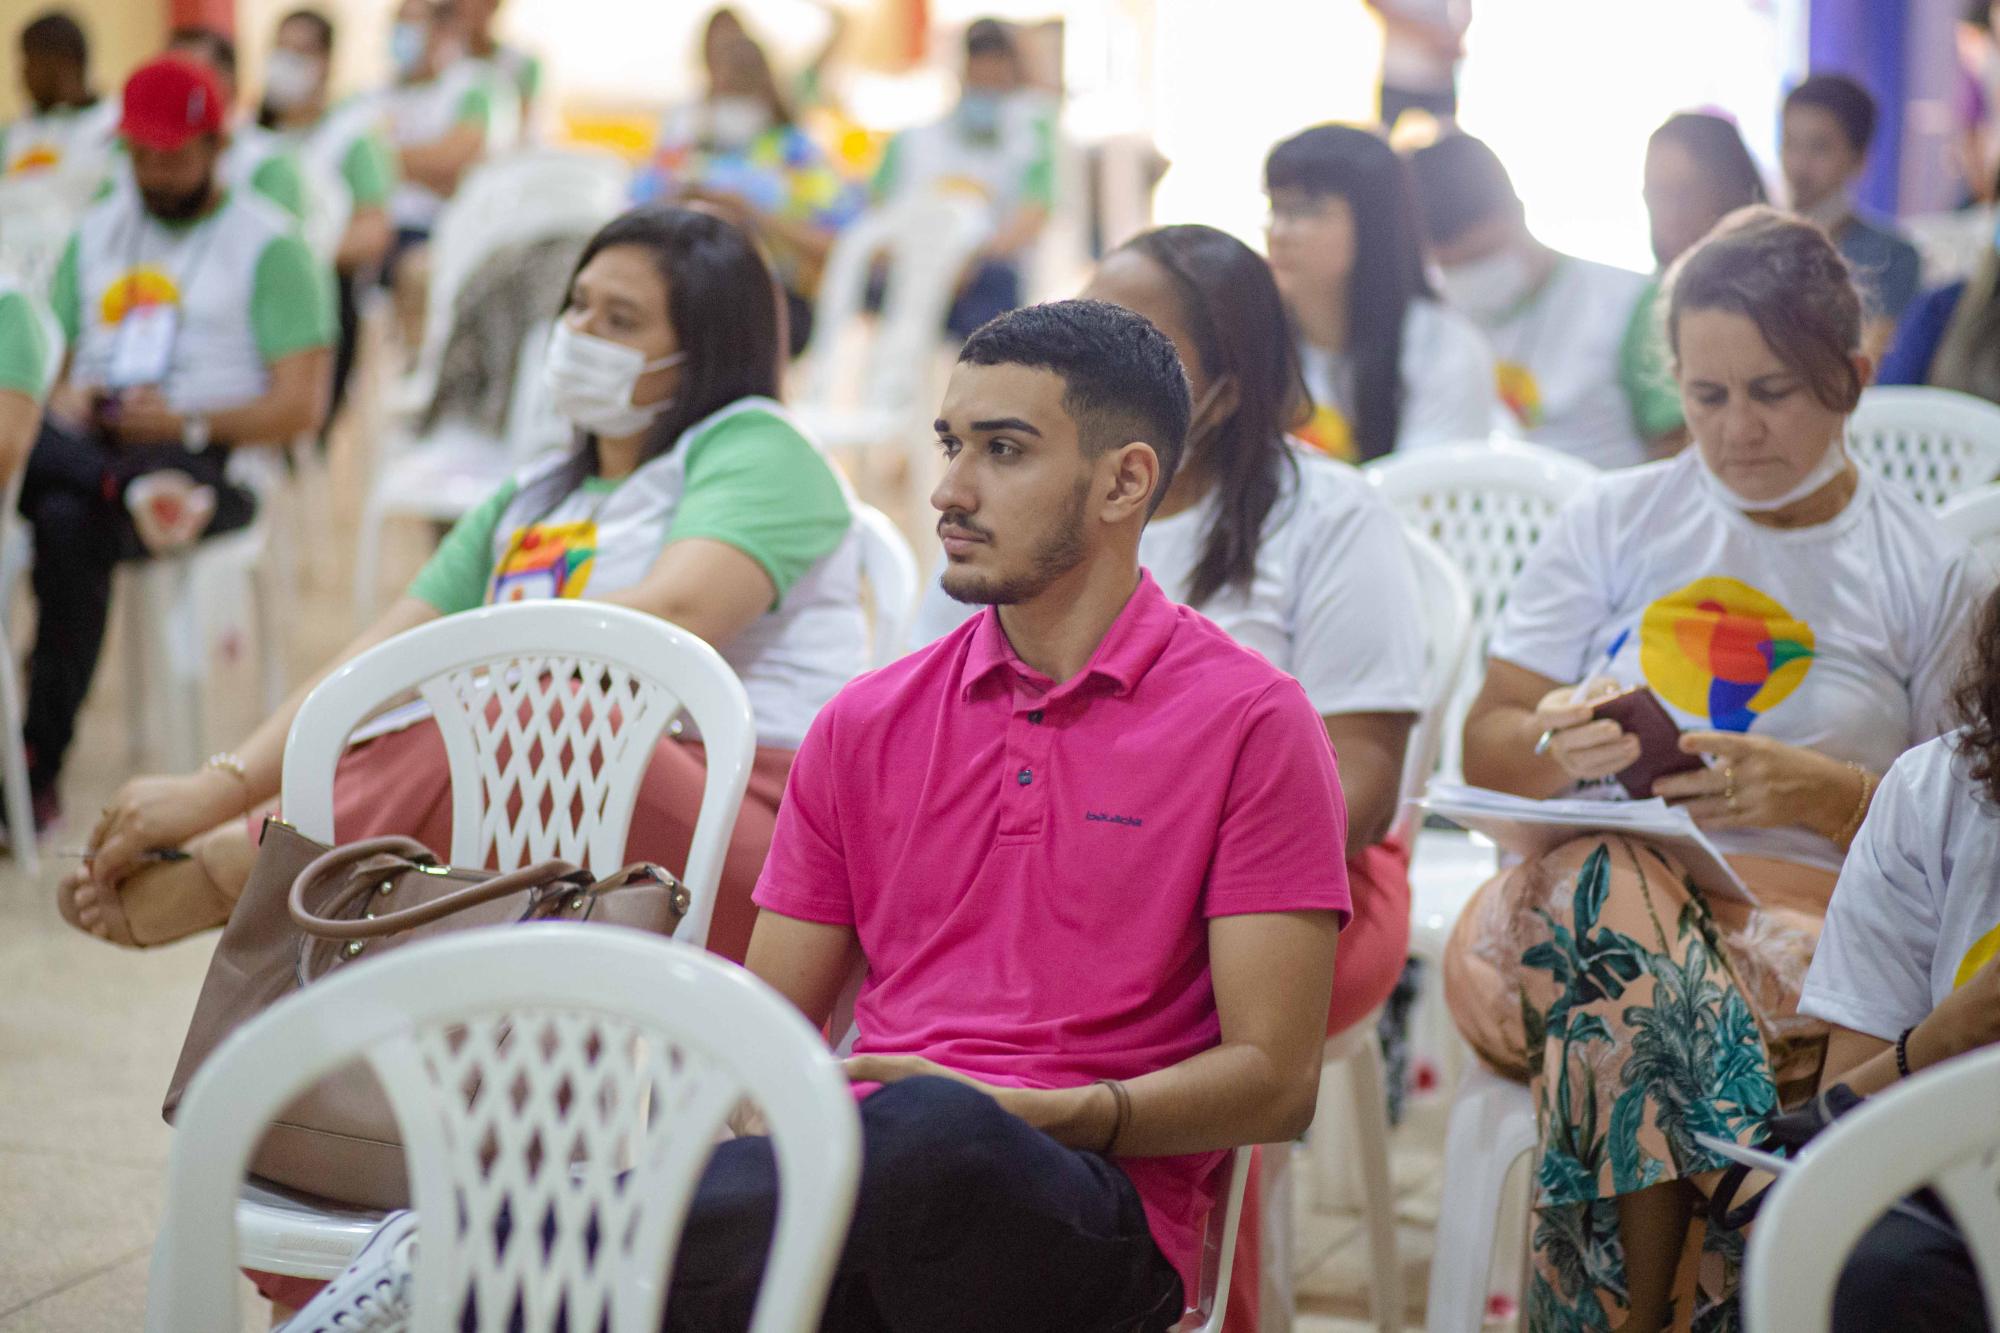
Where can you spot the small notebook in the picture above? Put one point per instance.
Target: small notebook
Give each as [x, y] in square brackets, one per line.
[1534, 828]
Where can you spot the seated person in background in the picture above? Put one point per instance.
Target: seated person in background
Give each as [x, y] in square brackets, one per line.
[688, 495]
[1078, 990]
[1829, 121]
[349, 142]
[516, 67]
[1389, 366]
[740, 149]
[998, 145]
[1911, 959]
[31, 355]
[1805, 620]
[445, 113]
[1556, 323]
[196, 321]
[68, 128]
[256, 158]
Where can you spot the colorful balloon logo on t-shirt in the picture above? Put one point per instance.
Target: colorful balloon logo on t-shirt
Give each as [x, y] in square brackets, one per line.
[1329, 432]
[545, 560]
[135, 288]
[1720, 649]
[1981, 953]
[1520, 391]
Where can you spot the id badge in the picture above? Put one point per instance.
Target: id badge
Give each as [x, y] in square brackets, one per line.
[143, 347]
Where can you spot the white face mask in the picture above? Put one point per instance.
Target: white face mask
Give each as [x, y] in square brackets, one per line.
[1819, 474]
[735, 122]
[591, 380]
[290, 79]
[1489, 289]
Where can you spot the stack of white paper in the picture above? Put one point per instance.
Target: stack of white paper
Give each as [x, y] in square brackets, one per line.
[1534, 828]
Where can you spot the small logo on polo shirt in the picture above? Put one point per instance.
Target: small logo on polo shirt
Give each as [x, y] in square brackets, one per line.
[1098, 816]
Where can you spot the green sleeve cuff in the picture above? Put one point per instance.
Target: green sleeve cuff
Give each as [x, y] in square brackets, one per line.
[291, 305]
[454, 579]
[475, 108]
[369, 168]
[755, 483]
[1039, 185]
[1643, 370]
[277, 178]
[24, 347]
[65, 296]
[886, 172]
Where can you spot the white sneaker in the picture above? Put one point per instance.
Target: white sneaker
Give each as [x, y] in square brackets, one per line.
[372, 1295]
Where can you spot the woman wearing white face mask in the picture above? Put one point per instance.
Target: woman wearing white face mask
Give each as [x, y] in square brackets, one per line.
[1801, 622]
[349, 140]
[689, 495]
[740, 150]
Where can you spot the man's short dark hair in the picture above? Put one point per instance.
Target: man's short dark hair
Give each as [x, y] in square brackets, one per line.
[56, 36]
[1122, 378]
[1460, 184]
[990, 37]
[1851, 106]
[215, 46]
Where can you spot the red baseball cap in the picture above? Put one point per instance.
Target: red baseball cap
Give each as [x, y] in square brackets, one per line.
[169, 101]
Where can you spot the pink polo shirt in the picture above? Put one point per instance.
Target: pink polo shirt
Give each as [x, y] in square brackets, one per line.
[1030, 869]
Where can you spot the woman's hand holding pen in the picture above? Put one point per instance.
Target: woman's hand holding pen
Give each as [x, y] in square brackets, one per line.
[1584, 747]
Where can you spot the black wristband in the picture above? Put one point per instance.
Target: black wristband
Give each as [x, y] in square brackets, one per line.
[1903, 1053]
[1121, 1111]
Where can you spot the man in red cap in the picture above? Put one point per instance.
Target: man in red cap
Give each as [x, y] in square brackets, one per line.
[197, 320]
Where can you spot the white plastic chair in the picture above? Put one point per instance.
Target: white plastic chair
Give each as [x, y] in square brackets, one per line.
[476, 672]
[1218, 1251]
[925, 243]
[1935, 1130]
[890, 567]
[631, 1051]
[1445, 602]
[1932, 443]
[1492, 1126]
[1974, 518]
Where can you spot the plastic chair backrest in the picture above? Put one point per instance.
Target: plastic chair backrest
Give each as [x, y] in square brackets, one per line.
[1931, 443]
[1218, 1247]
[890, 567]
[1974, 518]
[549, 711]
[1486, 504]
[1447, 610]
[1936, 1129]
[533, 424]
[576, 1076]
[510, 200]
[924, 242]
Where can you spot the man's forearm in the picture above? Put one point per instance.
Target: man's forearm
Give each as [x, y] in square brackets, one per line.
[1225, 1097]
[272, 419]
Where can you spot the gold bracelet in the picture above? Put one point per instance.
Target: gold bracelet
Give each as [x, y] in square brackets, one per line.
[1852, 827]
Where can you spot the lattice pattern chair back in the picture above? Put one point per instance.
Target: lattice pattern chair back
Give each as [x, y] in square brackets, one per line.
[1931, 443]
[549, 712]
[1486, 505]
[575, 1077]
[1933, 1130]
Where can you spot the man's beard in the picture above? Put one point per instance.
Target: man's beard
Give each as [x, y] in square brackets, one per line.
[1061, 552]
[176, 207]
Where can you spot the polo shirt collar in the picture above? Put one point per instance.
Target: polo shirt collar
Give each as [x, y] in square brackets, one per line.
[1128, 650]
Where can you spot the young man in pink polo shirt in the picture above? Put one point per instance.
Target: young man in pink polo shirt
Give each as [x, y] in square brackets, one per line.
[1088, 854]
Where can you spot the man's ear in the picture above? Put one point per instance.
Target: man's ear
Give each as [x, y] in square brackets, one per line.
[1130, 473]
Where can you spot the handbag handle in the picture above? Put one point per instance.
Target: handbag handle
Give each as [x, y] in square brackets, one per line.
[413, 856]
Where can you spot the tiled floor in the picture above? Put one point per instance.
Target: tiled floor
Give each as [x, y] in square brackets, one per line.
[89, 1035]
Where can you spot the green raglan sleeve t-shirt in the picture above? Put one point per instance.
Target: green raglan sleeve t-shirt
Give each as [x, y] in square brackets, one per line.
[291, 300]
[279, 179]
[369, 168]
[24, 347]
[1643, 370]
[454, 578]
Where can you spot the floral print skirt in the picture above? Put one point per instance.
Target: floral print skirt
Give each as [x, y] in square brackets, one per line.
[1641, 1015]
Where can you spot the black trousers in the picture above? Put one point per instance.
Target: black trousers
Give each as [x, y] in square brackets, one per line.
[1392, 102]
[967, 1219]
[1910, 1273]
[72, 494]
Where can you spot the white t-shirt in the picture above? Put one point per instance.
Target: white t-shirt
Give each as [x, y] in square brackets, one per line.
[1917, 908]
[1333, 601]
[1448, 378]
[74, 141]
[1559, 364]
[1411, 64]
[1842, 637]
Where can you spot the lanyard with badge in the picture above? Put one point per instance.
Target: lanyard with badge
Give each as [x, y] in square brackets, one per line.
[142, 349]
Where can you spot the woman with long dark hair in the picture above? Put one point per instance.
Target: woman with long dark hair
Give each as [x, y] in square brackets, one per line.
[1389, 365]
[689, 495]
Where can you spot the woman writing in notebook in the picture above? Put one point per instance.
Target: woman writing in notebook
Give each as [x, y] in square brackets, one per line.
[1800, 623]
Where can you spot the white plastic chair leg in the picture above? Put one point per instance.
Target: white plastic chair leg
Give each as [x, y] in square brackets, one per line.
[1492, 1126]
[1361, 1144]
